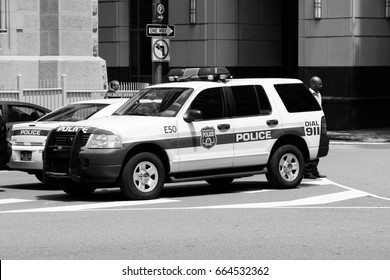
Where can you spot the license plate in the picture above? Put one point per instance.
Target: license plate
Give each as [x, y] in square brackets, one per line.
[25, 156]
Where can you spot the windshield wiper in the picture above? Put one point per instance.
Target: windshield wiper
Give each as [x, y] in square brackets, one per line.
[139, 114]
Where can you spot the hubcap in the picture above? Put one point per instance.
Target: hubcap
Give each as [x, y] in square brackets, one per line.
[145, 176]
[289, 167]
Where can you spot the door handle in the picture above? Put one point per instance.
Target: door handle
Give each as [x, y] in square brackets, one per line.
[272, 122]
[223, 126]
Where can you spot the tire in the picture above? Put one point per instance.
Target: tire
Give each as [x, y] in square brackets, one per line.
[143, 177]
[46, 181]
[78, 190]
[286, 167]
[39, 176]
[220, 181]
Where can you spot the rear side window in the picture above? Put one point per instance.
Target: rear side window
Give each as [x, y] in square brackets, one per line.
[297, 98]
[250, 101]
[20, 113]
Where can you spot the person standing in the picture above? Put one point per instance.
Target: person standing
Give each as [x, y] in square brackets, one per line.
[311, 169]
[113, 88]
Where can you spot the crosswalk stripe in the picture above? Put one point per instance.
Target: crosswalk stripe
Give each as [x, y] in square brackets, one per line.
[92, 206]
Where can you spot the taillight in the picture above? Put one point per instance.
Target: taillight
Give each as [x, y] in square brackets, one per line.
[324, 129]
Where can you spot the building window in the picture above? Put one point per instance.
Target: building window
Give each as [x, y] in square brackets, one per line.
[4, 16]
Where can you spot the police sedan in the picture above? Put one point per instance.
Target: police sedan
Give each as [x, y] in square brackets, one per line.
[28, 139]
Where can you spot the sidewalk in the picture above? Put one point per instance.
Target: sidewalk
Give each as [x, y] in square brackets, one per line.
[375, 135]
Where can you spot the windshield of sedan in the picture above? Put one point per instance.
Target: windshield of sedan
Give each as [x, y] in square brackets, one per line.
[164, 102]
[73, 112]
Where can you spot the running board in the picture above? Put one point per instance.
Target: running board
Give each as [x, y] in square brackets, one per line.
[174, 179]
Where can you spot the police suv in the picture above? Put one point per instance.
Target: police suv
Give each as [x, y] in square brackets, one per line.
[191, 129]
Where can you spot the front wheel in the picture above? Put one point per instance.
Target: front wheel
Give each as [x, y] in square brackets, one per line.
[46, 181]
[286, 167]
[143, 177]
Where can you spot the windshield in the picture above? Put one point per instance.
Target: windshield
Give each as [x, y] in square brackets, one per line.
[164, 102]
[73, 112]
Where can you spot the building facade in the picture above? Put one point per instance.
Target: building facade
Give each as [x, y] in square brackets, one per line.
[345, 42]
[45, 39]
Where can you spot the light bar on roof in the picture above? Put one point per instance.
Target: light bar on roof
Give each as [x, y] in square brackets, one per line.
[199, 74]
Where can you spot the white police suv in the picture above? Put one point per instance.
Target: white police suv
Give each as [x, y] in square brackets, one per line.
[215, 130]
[28, 139]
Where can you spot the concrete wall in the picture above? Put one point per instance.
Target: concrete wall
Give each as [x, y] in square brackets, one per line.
[232, 33]
[349, 49]
[48, 38]
[351, 33]
[114, 33]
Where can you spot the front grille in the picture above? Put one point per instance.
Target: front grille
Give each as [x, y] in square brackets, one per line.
[65, 139]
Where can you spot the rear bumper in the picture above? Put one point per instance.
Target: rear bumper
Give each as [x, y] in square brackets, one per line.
[323, 148]
[35, 163]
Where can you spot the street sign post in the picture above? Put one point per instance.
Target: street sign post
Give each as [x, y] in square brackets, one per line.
[160, 46]
[154, 30]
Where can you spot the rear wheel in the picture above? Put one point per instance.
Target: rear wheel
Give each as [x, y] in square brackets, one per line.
[286, 167]
[143, 177]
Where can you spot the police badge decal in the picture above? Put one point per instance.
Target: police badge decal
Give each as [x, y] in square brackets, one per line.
[208, 139]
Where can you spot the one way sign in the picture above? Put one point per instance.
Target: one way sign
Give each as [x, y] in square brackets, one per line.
[153, 30]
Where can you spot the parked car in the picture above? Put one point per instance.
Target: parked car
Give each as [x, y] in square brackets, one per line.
[13, 112]
[28, 139]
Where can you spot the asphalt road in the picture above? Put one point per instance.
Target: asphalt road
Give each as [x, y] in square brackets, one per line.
[344, 216]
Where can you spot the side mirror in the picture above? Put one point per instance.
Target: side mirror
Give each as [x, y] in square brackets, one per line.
[193, 115]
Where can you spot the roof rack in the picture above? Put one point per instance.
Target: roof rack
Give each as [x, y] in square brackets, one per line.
[220, 74]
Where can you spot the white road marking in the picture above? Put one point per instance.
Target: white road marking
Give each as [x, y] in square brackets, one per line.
[91, 206]
[314, 200]
[307, 202]
[318, 182]
[259, 191]
[351, 143]
[12, 200]
[349, 188]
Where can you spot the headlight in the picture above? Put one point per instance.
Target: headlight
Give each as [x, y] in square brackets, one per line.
[103, 141]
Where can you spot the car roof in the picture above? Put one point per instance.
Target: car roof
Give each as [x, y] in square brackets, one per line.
[11, 102]
[100, 101]
[241, 81]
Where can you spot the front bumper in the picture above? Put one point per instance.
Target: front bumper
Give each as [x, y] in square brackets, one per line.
[90, 165]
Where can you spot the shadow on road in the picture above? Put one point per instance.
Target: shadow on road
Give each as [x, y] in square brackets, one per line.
[172, 191]
[201, 189]
[32, 187]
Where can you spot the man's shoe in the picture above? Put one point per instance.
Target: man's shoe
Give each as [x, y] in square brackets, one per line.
[309, 176]
[318, 175]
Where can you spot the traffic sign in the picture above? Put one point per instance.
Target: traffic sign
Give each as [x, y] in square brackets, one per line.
[153, 30]
[160, 50]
